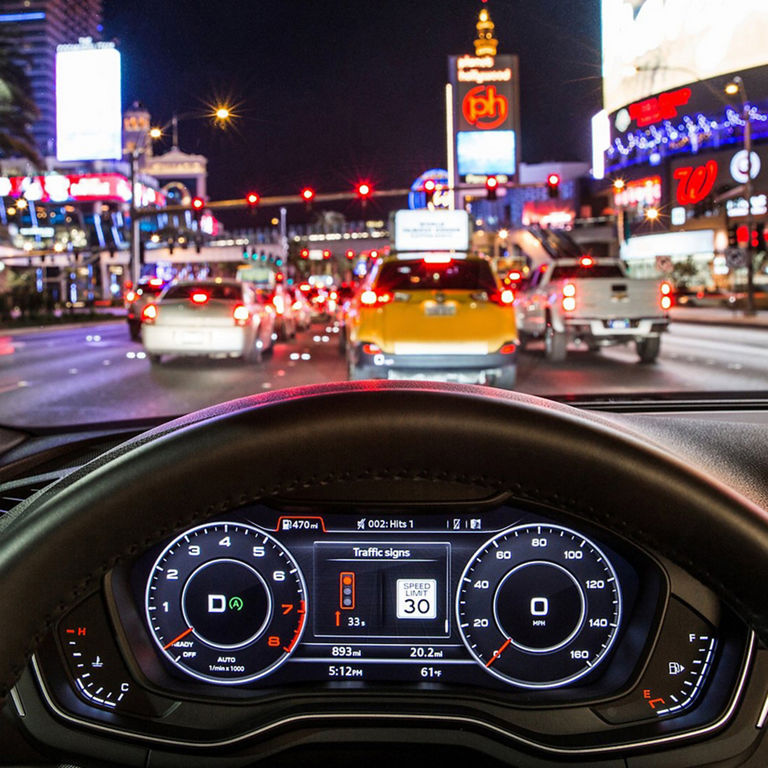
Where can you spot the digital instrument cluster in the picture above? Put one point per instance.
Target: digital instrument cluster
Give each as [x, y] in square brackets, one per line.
[267, 598]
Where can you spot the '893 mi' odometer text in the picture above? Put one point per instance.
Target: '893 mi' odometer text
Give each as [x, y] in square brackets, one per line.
[226, 603]
[539, 606]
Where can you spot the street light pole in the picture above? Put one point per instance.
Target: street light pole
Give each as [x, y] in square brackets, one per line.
[135, 229]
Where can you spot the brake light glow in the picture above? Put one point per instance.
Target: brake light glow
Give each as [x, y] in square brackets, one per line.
[587, 261]
[279, 304]
[514, 276]
[131, 296]
[507, 296]
[296, 306]
[665, 288]
[304, 287]
[508, 349]
[240, 315]
[334, 295]
[569, 297]
[200, 297]
[437, 258]
[371, 349]
[155, 282]
[371, 298]
[149, 314]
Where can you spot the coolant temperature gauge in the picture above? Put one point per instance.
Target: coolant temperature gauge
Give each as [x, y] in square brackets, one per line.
[677, 672]
[97, 671]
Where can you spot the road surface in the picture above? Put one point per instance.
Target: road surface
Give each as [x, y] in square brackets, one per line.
[95, 373]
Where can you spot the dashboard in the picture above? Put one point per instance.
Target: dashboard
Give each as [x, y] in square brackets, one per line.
[510, 616]
[224, 613]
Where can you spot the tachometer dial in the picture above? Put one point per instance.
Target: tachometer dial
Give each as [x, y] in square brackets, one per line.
[539, 606]
[226, 603]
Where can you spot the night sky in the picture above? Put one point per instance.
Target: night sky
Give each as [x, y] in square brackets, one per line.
[328, 93]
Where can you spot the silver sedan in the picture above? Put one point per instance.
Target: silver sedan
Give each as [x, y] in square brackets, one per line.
[217, 318]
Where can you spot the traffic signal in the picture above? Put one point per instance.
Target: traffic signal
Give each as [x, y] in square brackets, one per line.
[308, 195]
[197, 208]
[350, 254]
[732, 239]
[429, 190]
[553, 185]
[491, 185]
[252, 199]
[304, 253]
[364, 191]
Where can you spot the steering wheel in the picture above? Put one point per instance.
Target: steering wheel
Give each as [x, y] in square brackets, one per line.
[368, 441]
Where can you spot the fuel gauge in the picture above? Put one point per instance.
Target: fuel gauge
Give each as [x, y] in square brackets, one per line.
[676, 673]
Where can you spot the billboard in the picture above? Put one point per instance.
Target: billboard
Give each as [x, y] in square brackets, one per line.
[423, 230]
[88, 102]
[485, 115]
[651, 46]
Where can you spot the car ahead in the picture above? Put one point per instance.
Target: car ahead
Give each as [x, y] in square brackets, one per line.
[208, 318]
[435, 315]
[571, 296]
[147, 290]
[301, 308]
[281, 299]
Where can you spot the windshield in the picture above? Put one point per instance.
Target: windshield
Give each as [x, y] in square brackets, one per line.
[426, 276]
[341, 172]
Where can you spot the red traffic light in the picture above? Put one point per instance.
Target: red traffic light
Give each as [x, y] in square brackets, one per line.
[304, 253]
[429, 185]
[252, 198]
[491, 182]
[553, 179]
[307, 194]
[350, 254]
[364, 189]
[326, 255]
[198, 203]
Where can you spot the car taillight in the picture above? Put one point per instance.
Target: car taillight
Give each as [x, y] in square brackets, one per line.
[149, 314]
[131, 296]
[199, 297]
[371, 349]
[586, 261]
[507, 296]
[279, 304]
[569, 297]
[334, 295]
[508, 349]
[156, 282]
[240, 315]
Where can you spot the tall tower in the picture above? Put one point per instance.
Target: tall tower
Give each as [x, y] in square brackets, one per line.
[485, 44]
[35, 28]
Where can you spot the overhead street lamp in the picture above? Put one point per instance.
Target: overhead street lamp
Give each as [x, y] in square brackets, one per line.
[221, 114]
[736, 86]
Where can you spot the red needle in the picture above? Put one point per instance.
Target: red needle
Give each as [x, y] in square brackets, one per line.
[176, 639]
[498, 653]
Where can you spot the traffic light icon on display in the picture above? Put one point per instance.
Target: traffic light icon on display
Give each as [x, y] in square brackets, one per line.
[491, 185]
[553, 185]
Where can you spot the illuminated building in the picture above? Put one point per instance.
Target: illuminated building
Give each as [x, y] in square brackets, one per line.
[36, 27]
[486, 44]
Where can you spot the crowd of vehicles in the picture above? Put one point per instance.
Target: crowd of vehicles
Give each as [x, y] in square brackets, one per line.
[421, 312]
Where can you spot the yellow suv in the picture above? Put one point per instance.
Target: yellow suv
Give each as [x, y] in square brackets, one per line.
[434, 316]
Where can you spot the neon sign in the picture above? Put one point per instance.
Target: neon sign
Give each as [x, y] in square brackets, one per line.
[658, 108]
[484, 108]
[694, 184]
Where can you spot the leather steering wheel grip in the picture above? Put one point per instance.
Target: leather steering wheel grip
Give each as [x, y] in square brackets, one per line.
[368, 440]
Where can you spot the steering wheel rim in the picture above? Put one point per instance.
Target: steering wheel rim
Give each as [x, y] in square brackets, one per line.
[359, 436]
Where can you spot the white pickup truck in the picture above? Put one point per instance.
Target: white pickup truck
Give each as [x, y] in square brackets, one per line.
[570, 296]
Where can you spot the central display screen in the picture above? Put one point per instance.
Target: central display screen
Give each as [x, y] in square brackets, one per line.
[381, 589]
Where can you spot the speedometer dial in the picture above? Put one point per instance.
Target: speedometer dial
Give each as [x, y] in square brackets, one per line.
[226, 603]
[539, 606]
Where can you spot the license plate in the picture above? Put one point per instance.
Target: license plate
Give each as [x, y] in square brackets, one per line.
[618, 324]
[191, 337]
[440, 310]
